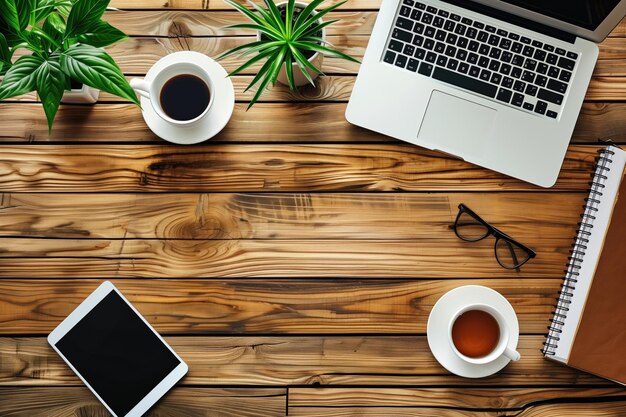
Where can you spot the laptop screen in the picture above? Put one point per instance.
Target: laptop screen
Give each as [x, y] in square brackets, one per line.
[587, 14]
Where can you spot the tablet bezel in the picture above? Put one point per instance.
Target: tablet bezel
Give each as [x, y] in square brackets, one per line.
[79, 313]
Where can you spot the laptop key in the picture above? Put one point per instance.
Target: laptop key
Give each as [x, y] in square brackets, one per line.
[431, 9]
[548, 48]
[474, 71]
[450, 51]
[405, 11]
[418, 40]
[531, 90]
[464, 81]
[443, 13]
[495, 53]
[537, 44]
[506, 57]
[471, 33]
[572, 55]
[440, 47]
[483, 62]
[441, 35]
[566, 63]
[429, 44]
[466, 21]
[416, 14]
[507, 82]
[431, 57]
[482, 36]
[557, 86]
[517, 47]
[514, 36]
[472, 58]
[528, 76]
[560, 51]
[403, 23]
[438, 22]
[408, 2]
[565, 76]
[418, 28]
[461, 54]
[550, 96]
[451, 39]
[528, 51]
[473, 46]
[413, 65]
[525, 40]
[408, 50]
[518, 99]
[496, 78]
[553, 72]
[530, 64]
[529, 106]
[403, 35]
[395, 45]
[485, 75]
[429, 31]
[390, 57]
[419, 5]
[494, 65]
[552, 114]
[505, 69]
[479, 25]
[541, 80]
[463, 67]
[541, 107]
[460, 29]
[425, 69]
[542, 68]
[516, 72]
[517, 60]
[490, 29]
[519, 86]
[552, 59]
[494, 40]
[442, 61]
[504, 95]
[505, 43]
[540, 54]
[502, 32]
[401, 61]
[462, 43]
[455, 17]
[483, 49]
[449, 26]
[453, 64]
[420, 53]
[427, 18]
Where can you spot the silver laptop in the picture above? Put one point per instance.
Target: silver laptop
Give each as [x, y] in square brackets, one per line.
[497, 83]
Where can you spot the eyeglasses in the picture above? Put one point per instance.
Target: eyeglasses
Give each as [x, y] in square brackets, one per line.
[470, 227]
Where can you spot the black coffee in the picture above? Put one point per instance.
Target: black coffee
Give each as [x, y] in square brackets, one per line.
[185, 97]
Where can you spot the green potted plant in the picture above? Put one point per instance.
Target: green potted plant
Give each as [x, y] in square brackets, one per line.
[291, 42]
[65, 38]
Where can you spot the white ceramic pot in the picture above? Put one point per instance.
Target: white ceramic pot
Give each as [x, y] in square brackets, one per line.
[316, 60]
[86, 95]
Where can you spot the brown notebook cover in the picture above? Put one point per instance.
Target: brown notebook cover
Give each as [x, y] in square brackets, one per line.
[600, 343]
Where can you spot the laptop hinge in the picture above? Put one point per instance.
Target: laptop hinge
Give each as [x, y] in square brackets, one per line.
[516, 20]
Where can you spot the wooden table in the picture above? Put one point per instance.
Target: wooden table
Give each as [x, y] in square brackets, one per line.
[293, 260]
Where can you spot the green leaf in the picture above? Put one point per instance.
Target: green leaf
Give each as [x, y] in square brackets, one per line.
[289, 70]
[20, 78]
[263, 72]
[314, 18]
[319, 48]
[303, 64]
[316, 28]
[274, 15]
[291, 4]
[101, 34]
[94, 67]
[24, 11]
[53, 29]
[50, 82]
[5, 53]
[84, 15]
[305, 13]
[55, 21]
[249, 47]
[252, 61]
[8, 13]
[43, 9]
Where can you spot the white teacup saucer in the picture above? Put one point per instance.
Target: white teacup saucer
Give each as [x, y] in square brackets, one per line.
[217, 116]
[439, 319]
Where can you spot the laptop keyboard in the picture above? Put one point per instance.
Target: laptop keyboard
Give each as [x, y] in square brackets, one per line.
[497, 63]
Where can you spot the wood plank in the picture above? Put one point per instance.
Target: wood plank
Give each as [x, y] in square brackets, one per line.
[179, 402]
[282, 216]
[338, 88]
[424, 258]
[268, 168]
[299, 360]
[123, 123]
[511, 399]
[609, 408]
[292, 306]
[183, 23]
[220, 5]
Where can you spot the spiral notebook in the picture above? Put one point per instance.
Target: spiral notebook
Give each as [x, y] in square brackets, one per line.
[588, 331]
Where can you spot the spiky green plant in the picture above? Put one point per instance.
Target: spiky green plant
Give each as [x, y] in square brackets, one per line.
[285, 39]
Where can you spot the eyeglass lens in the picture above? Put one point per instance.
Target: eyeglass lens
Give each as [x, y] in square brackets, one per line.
[469, 228]
[509, 254]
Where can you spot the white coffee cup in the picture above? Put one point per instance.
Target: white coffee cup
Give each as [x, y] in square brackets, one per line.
[501, 348]
[152, 90]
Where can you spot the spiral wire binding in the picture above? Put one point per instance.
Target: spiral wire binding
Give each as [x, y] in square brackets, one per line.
[577, 252]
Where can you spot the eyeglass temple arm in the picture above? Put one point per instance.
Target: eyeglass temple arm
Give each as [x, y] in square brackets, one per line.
[513, 255]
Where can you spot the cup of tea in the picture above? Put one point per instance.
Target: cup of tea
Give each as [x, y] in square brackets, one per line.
[478, 334]
[180, 93]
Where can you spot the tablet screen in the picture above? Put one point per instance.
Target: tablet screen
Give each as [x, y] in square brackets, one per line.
[117, 354]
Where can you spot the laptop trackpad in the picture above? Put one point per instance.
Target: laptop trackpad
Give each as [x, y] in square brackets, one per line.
[456, 126]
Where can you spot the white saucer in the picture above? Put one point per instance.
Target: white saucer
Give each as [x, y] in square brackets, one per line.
[439, 320]
[216, 118]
